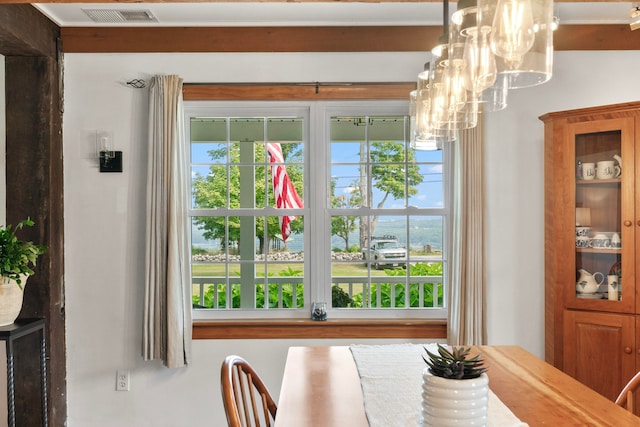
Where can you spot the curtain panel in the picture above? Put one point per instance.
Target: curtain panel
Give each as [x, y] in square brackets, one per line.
[467, 323]
[167, 309]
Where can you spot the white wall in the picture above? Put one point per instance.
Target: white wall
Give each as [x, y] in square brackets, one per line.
[104, 220]
[515, 187]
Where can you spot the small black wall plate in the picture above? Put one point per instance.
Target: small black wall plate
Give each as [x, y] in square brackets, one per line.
[111, 162]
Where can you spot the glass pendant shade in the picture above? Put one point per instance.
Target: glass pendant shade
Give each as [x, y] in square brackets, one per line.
[423, 134]
[481, 69]
[480, 65]
[464, 118]
[422, 139]
[461, 96]
[418, 141]
[521, 39]
[421, 102]
[494, 98]
[455, 86]
[438, 85]
[490, 47]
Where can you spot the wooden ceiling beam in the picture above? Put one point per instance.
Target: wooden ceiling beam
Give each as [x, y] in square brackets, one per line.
[249, 39]
[596, 37]
[311, 39]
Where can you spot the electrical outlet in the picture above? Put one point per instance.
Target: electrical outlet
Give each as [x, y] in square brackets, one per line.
[122, 381]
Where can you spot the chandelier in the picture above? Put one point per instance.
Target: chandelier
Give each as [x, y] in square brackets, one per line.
[490, 47]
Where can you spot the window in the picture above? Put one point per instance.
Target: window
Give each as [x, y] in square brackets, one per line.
[294, 203]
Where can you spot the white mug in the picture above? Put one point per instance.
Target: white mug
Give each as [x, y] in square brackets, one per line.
[583, 242]
[616, 242]
[612, 287]
[600, 240]
[582, 231]
[605, 169]
[588, 171]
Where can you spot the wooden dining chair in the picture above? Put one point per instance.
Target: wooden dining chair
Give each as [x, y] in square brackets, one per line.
[247, 401]
[626, 398]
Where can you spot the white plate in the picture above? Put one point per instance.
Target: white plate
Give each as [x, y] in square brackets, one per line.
[590, 296]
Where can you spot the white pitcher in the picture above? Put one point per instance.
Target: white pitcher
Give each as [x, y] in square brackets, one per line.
[587, 282]
[618, 169]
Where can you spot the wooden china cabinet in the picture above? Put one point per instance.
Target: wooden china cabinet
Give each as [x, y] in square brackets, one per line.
[592, 227]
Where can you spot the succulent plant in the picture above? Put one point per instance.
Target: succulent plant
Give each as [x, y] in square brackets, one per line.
[454, 363]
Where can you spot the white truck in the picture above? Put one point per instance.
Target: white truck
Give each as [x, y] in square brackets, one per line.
[385, 252]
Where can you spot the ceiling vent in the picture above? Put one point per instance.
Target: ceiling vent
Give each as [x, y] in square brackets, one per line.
[117, 16]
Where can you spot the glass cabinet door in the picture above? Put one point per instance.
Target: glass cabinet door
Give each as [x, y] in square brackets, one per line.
[601, 208]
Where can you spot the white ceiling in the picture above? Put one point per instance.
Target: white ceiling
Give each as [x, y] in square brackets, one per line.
[308, 13]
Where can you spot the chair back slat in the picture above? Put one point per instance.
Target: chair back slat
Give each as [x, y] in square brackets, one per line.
[254, 406]
[627, 397]
[247, 402]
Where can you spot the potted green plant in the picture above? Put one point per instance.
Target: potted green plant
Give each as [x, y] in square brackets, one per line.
[455, 388]
[17, 260]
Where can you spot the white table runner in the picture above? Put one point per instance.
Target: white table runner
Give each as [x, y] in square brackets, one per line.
[391, 379]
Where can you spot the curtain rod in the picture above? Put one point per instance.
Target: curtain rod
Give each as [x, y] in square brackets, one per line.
[300, 84]
[140, 83]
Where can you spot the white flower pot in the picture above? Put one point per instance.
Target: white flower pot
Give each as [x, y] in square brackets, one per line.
[447, 402]
[10, 299]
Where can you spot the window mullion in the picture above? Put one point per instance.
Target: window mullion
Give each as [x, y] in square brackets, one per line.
[247, 227]
[319, 247]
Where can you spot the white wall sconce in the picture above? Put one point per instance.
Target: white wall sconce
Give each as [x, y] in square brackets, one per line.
[110, 159]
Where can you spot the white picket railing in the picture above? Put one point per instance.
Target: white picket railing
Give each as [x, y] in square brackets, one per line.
[353, 286]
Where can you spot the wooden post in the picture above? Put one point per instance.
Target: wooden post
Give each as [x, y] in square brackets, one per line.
[35, 189]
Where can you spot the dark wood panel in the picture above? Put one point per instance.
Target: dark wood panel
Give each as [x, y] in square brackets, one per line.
[26, 31]
[332, 328]
[35, 189]
[312, 39]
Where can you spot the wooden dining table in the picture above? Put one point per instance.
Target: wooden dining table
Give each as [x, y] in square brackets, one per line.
[321, 387]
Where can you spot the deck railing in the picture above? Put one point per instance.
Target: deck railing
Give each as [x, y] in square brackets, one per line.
[369, 292]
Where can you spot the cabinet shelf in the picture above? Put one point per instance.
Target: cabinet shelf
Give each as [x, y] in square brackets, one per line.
[590, 182]
[599, 251]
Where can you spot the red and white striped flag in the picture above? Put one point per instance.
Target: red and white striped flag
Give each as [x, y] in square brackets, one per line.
[284, 192]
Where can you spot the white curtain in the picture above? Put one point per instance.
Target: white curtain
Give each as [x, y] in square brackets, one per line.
[466, 267]
[167, 309]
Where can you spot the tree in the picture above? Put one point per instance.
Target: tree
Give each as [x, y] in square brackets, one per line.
[211, 191]
[342, 226]
[388, 175]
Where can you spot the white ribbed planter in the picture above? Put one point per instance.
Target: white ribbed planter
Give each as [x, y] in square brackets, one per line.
[447, 402]
[10, 299]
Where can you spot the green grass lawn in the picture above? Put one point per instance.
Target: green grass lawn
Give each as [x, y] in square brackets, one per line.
[338, 269]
